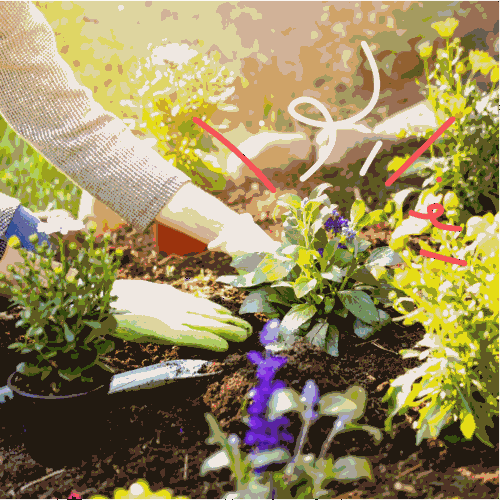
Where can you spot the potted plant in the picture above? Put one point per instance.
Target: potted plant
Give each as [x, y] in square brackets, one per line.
[62, 382]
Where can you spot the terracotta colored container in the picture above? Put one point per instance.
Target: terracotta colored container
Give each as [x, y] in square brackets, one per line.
[170, 241]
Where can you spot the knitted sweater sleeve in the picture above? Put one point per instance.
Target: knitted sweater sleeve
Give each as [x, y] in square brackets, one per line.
[42, 101]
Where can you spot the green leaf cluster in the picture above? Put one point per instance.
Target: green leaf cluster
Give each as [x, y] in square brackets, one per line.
[66, 310]
[465, 157]
[458, 307]
[302, 476]
[309, 290]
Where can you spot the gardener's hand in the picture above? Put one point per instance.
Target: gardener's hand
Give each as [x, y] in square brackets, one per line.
[158, 313]
[244, 236]
[52, 221]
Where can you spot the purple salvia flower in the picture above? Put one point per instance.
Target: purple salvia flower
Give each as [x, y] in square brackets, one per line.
[269, 333]
[264, 434]
[320, 251]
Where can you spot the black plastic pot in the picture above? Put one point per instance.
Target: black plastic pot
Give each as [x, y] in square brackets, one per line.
[60, 430]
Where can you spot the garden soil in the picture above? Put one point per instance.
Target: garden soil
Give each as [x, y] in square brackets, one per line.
[160, 434]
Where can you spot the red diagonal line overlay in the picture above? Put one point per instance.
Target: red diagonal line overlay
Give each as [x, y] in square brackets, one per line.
[444, 258]
[419, 151]
[238, 153]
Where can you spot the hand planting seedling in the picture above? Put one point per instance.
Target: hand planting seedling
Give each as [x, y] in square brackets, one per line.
[69, 310]
[302, 476]
[312, 278]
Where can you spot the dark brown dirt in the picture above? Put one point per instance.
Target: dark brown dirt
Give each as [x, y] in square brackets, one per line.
[160, 434]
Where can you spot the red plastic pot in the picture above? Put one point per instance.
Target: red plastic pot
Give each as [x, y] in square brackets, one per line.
[59, 430]
[171, 241]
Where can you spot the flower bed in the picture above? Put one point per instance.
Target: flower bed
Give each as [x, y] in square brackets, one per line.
[156, 435]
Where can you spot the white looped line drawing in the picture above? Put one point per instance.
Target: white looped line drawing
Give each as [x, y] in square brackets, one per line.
[329, 126]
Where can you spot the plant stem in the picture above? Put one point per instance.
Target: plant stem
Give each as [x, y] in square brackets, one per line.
[300, 442]
[329, 439]
[348, 274]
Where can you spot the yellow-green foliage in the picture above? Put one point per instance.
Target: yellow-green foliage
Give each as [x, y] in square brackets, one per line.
[29, 177]
[458, 307]
[140, 489]
[465, 157]
[171, 96]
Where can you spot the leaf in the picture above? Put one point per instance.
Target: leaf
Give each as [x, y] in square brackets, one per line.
[248, 262]
[317, 334]
[332, 341]
[303, 286]
[364, 330]
[216, 435]
[363, 275]
[68, 334]
[324, 214]
[371, 218]
[276, 455]
[318, 190]
[104, 347]
[257, 302]
[468, 426]
[350, 468]
[274, 268]
[296, 316]
[358, 210]
[374, 431]
[289, 200]
[93, 324]
[350, 404]
[334, 273]
[384, 256]
[304, 258]
[283, 401]
[16, 345]
[420, 168]
[281, 294]
[218, 460]
[360, 304]
[328, 304]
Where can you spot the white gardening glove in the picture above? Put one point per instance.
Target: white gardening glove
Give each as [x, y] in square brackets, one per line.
[243, 236]
[158, 313]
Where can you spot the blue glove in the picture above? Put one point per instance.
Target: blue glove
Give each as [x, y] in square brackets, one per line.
[23, 225]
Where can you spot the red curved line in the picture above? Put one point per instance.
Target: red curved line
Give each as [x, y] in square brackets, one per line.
[238, 153]
[449, 260]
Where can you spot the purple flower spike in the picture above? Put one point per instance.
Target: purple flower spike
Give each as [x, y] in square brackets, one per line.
[310, 393]
[269, 333]
[320, 251]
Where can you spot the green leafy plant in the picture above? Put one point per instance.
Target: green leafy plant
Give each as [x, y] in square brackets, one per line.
[312, 279]
[171, 97]
[465, 157]
[66, 310]
[302, 476]
[458, 307]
